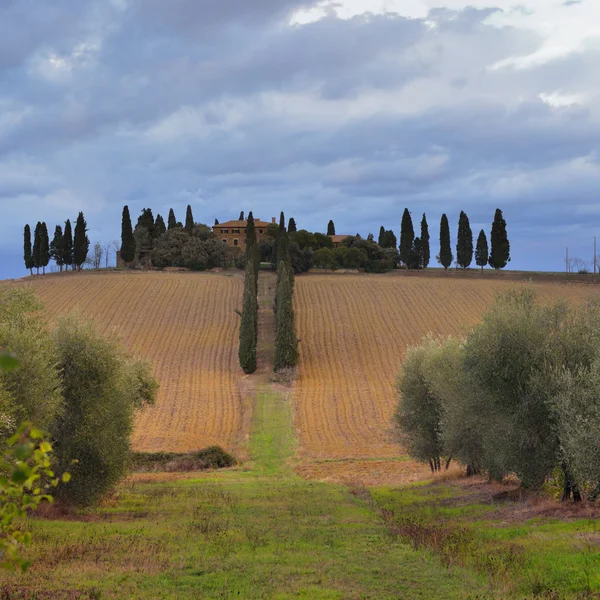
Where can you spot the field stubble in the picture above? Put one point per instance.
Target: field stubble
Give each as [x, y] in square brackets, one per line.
[185, 325]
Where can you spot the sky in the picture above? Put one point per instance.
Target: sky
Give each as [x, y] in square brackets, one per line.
[349, 110]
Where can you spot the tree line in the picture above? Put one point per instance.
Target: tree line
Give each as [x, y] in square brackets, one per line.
[518, 395]
[68, 250]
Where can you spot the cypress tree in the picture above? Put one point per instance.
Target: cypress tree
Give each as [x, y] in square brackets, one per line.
[381, 239]
[171, 221]
[127, 237]
[500, 252]
[81, 242]
[37, 246]
[189, 219]
[252, 249]
[292, 225]
[481, 252]
[216, 221]
[44, 247]
[286, 342]
[68, 244]
[407, 237]
[331, 228]
[159, 226]
[445, 256]
[425, 249]
[249, 323]
[27, 249]
[241, 216]
[57, 247]
[464, 241]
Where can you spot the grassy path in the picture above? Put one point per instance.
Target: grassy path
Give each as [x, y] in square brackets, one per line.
[257, 531]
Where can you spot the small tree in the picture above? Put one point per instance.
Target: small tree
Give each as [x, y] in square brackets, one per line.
[102, 387]
[97, 256]
[216, 222]
[481, 252]
[292, 225]
[445, 256]
[28, 250]
[159, 226]
[189, 219]
[127, 238]
[464, 242]
[407, 237]
[500, 252]
[81, 242]
[68, 247]
[331, 228]
[172, 221]
[425, 249]
[286, 342]
[419, 411]
[57, 247]
[44, 247]
[249, 322]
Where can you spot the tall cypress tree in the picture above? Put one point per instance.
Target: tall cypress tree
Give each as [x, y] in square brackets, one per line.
[27, 249]
[286, 342]
[172, 221]
[331, 228]
[292, 225]
[189, 219]
[500, 252]
[57, 247]
[407, 237]
[44, 247]
[37, 247]
[425, 249]
[68, 247]
[252, 249]
[81, 242]
[127, 237]
[482, 252]
[241, 216]
[445, 256]
[216, 221]
[381, 239]
[159, 226]
[249, 322]
[464, 241]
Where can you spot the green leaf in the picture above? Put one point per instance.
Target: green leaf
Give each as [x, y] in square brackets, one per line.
[46, 447]
[19, 476]
[66, 477]
[8, 362]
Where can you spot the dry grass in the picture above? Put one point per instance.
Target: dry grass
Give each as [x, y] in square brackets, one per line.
[355, 331]
[185, 325]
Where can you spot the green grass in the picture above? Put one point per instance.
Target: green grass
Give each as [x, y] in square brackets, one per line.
[256, 531]
[541, 558]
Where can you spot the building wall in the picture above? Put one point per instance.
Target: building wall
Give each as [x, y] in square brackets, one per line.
[236, 236]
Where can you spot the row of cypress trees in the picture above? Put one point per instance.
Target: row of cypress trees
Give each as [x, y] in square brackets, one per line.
[249, 324]
[66, 249]
[415, 251]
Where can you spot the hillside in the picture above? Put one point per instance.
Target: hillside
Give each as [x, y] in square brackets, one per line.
[354, 331]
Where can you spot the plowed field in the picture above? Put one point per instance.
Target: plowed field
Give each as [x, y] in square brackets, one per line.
[354, 331]
[185, 325]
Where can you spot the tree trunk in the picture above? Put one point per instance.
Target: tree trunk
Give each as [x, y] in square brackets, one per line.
[448, 463]
[570, 487]
[431, 465]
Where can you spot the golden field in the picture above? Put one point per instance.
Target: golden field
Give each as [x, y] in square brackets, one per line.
[185, 325]
[354, 332]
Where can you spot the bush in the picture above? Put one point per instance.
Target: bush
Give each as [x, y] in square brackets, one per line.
[102, 387]
[325, 259]
[210, 458]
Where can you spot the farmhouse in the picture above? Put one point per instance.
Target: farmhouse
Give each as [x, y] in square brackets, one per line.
[233, 233]
[338, 239]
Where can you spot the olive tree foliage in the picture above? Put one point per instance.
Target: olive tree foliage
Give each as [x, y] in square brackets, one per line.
[419, 409]
[31, 392]
[102, 388]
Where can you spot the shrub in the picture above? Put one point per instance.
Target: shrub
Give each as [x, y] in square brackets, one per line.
[325, 259]
[209, 458]
[102, 387]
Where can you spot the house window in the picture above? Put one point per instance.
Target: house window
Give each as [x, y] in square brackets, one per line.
[235, 231]
[224, 241]
[236, 242]
[224, 231]
[261, 231]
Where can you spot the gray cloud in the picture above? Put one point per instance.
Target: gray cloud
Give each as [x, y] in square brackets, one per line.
[228, 107]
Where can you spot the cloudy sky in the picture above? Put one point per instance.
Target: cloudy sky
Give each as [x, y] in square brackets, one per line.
[350, 110]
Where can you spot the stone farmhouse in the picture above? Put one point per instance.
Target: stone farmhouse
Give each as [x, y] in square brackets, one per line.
[233, 233]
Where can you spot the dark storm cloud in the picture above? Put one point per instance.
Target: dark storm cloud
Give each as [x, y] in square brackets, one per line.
[228, 107]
